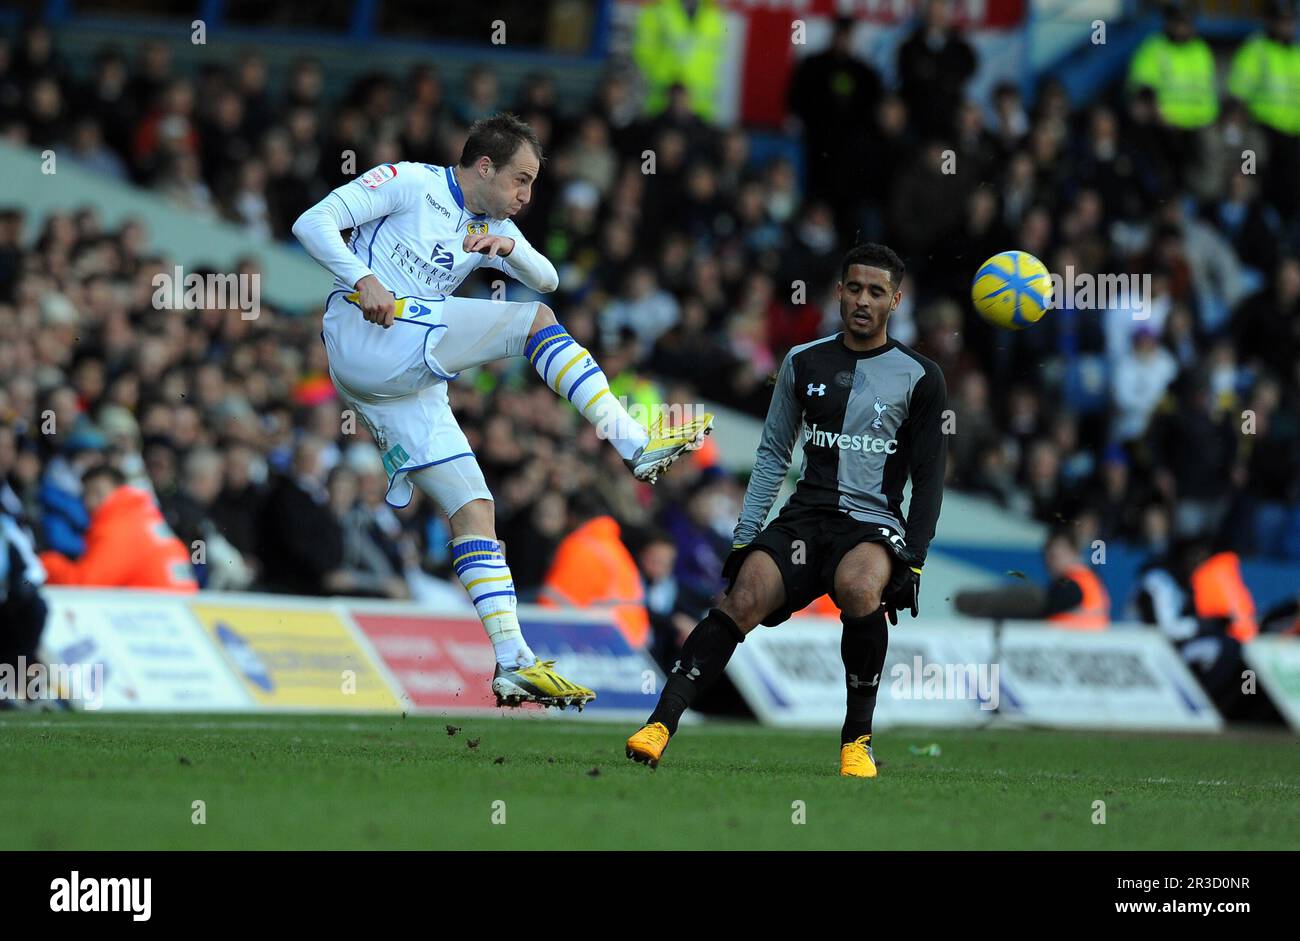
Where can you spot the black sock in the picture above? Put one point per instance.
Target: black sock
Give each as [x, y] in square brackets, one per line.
[704, 656]
[862, 648]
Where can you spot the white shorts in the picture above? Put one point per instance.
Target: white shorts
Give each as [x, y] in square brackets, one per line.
[395, 380]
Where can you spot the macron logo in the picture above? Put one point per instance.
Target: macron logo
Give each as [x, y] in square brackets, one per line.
[102, 895]
[867, 443]
[438, 206]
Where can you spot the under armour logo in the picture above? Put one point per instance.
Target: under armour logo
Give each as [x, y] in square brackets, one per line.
[691, 675]
[895, 540]
[816, 390]
[880, 408]
[857, 683]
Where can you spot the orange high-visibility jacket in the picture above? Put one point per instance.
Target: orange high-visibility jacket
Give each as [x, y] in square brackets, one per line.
[1093, 613]
[128, 545]
[1219, 592]
[821, 607]
[593, 569]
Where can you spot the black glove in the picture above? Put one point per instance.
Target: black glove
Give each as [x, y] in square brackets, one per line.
[731, 567]
[903, 589]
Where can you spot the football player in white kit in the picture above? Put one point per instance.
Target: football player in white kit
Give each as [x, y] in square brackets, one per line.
[395, 336]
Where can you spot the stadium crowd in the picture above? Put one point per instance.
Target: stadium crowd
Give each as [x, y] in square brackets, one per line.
[682, 279]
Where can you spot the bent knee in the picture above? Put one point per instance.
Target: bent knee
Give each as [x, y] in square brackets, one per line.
[545, 317]
[858, 601]
[476, 517]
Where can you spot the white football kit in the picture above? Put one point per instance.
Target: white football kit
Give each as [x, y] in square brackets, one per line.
[409, 223]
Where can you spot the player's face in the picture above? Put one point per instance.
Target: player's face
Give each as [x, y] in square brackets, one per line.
[867, 296]
[509, 188]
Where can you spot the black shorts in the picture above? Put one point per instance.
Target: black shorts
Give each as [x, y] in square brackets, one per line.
[827, 537]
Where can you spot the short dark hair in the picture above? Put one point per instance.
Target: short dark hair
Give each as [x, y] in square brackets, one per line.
[497, 138]
[874, 255]
[115, 476]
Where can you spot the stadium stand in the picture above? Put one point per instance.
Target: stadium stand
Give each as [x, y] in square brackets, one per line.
[1126, 429]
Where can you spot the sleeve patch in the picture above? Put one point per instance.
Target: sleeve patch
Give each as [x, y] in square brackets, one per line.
[378, 176]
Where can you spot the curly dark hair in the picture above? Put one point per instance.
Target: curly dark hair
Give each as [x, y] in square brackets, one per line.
[874, 255]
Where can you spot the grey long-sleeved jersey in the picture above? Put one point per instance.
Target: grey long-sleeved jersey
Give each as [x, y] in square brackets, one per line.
[869, 420]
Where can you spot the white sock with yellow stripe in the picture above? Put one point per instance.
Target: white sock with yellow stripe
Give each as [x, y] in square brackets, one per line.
[482, 569]
[572, 372]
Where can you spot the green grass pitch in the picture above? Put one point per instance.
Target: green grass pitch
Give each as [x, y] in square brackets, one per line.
[96, 781]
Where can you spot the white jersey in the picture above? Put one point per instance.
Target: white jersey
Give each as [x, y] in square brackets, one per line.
[409, 224]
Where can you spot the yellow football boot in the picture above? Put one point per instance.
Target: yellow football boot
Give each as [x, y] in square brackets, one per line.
[647, 744]
[856, 759]
[538, 683]
[666, 445]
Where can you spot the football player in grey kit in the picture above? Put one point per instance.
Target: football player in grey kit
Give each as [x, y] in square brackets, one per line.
[870, 414]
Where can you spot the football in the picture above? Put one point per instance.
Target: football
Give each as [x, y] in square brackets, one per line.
[1012, 290]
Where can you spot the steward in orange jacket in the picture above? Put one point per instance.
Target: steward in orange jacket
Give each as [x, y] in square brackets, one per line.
[593, 569]
[1092, 613]
[128, 543]
[1074, 599]
[1219, 592]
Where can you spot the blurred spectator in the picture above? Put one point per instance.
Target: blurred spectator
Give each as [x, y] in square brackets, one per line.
[680, 42]
[593, 569]
[167, 130]
[47, 122]
[927, 204]
[237, 507]
[128, 543]
[1196, 445]
[934, 64]
[670, 625]
[300, 542]
[480, 95]
[1117, 497]
[1074, 598]
[1178, 66]
[829, 93]
[1266, 326]
[701, 526]
[531, 535]
[1269, 463]
[64, 517]
[1141, 378]
[1265, 74]
[643, 308]
[371, 566]
[1219, 593]
[91, 153]
[1165, 598]
[182, 183]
